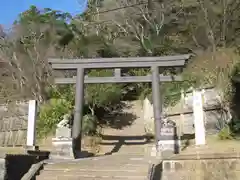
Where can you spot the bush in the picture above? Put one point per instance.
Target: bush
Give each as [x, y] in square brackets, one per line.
[51, 113]
[89, 125]
[225, 133]
[236, 127]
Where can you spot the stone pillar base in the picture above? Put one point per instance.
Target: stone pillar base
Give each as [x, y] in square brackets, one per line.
[62, 148]
[169, 147]
[164, 149]
[31, 148]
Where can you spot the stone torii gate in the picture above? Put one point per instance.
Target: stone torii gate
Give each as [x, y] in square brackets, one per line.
[115, 63]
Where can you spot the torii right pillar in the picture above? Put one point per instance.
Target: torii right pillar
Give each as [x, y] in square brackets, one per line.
[167, 142]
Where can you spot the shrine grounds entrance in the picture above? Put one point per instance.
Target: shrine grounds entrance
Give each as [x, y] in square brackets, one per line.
[116, 63]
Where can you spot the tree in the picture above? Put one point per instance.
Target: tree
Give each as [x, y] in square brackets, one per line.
[104, 96]
[110, 29]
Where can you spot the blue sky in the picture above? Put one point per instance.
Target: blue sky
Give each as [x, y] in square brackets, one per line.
[9, 9]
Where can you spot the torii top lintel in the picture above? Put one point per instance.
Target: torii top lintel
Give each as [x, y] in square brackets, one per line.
[163, 61]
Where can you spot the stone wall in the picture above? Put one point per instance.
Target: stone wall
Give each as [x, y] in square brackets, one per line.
[200, 169]
[13, 124]
[182, 113]
[2, 169]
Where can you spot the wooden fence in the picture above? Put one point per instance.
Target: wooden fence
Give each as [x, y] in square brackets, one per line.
[13, 124]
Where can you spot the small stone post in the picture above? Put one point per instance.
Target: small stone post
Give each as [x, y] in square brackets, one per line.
[31, 129]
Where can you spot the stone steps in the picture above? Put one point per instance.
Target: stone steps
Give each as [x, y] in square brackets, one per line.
[137, 173]
[72, 177]
[104, 167]
[95, 174]
[122, 156]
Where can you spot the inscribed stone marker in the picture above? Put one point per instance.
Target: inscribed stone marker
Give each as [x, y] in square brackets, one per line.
[198, 118]
[31, 130]
[169, 143]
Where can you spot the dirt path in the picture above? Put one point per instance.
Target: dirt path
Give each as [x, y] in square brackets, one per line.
[129, 139]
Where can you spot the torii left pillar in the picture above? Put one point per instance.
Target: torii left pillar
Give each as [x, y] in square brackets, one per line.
[78, 114]
[157, 106]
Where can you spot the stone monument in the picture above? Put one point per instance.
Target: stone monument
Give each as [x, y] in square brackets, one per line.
[169, 142]
[31, 128]
[63, 139]
[198, 114]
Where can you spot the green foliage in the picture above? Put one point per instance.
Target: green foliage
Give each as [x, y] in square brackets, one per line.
[102, 95]
[236, 127]
[62, 102]
[47, 25]
[216, 69]
[66, 92]
[51, 113]
[172, 91]
[89, 125]
[225, 133]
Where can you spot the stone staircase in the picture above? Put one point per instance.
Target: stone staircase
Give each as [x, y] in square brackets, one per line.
[98, 168]
[122, 156]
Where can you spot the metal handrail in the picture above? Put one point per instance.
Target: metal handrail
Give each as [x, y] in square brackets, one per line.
[151, 172]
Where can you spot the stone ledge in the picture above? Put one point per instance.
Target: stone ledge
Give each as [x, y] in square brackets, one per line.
[184, 175]
[201, 165]
[208, 156]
